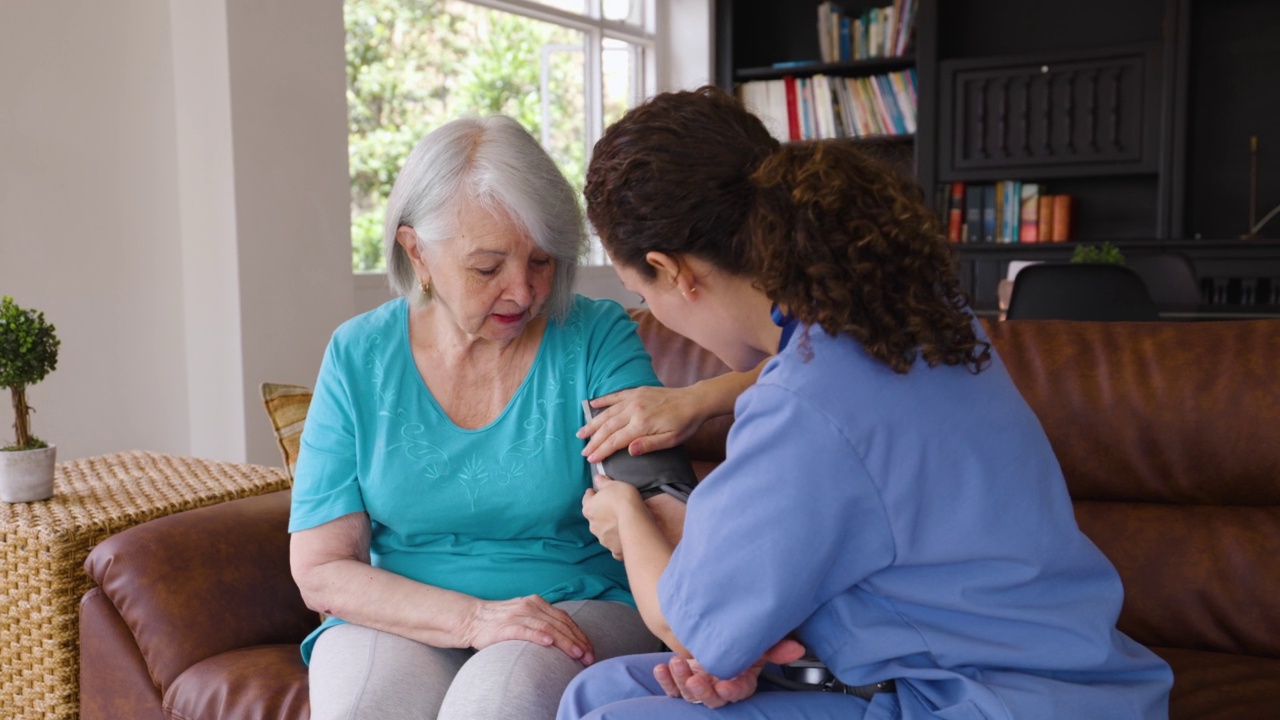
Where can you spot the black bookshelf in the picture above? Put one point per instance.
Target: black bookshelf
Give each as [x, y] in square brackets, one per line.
[773, 39]
[1176, 87]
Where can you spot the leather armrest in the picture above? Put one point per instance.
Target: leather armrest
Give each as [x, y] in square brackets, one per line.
[198, 583]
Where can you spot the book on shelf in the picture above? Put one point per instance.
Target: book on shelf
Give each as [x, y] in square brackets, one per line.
[996, 213]
[1062, 217]
[846, 38]
[821, 106]
[793, 115]
[1004, 212]
[1029, 213]
[874, 33]
[827, 13]
[955, 211]
[1044, 222]
[1013, 212]
[972, 214]
[988, 213]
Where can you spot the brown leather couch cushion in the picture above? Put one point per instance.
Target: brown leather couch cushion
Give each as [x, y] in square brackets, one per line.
[114, 682]
[265, 681]
[1208, 685]
[1167, 436]
[1149, 412]
[182, 583]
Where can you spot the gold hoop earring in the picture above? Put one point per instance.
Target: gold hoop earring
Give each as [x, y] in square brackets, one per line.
[426, 288]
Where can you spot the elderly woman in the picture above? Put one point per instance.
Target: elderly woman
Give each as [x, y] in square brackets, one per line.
[436, 507]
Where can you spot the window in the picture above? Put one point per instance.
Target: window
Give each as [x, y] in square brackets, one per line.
[563, 68]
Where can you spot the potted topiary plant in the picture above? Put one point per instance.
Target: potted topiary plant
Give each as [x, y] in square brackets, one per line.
[28, 352]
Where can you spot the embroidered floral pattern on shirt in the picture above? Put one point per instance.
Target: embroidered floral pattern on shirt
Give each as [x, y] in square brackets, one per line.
[513, 462]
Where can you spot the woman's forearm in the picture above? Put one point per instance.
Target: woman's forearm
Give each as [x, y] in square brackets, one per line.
[364, 595]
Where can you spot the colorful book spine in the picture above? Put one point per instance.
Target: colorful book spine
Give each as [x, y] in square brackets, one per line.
[955, 212]
[988, 213]
[998, 214]
[1029, 220]
[905, 98]
[1045, 221]
[905, 26]
[1063, 206]
[972, 214]
[1012, 211]
[793, 111]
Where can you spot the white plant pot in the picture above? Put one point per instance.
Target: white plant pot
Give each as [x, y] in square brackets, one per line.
[27, 475]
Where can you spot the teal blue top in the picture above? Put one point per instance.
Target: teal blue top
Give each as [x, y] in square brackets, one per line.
[493, 512]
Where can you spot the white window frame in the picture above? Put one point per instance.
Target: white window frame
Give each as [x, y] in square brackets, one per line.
[595, 29]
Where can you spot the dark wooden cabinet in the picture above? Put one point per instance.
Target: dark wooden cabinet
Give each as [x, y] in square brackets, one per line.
[1142, 110]
[1082, 114]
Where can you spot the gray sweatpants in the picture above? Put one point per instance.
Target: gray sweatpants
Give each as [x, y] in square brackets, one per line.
[361, 673]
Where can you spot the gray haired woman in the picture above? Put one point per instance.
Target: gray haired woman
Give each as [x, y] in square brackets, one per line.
[436, 505]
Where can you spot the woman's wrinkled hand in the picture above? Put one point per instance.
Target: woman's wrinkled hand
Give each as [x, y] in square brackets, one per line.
[529, 618]
[641, 420]
[686, 678]
[604, 505]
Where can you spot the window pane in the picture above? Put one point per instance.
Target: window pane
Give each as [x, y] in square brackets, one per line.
[416, 64]
[573, 6]
[619, 64]
[627, 11]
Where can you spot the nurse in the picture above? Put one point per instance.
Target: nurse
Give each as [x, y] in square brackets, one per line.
[888, 503]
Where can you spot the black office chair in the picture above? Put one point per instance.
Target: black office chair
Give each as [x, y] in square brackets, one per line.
[1080, 291]
[1170, 279]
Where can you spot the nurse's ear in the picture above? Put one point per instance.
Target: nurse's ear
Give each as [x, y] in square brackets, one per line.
[667, 267]
[672, 272]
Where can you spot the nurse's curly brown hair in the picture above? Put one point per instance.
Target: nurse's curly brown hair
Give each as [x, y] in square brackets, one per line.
[841, 241]
[830, 232]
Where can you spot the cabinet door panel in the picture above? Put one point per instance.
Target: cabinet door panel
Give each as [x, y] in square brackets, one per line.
[1051, 116]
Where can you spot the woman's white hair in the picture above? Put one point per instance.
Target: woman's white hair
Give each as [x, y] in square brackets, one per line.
[495, 163]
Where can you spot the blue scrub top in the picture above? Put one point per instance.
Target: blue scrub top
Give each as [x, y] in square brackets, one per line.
[494, 512]
[915, 527]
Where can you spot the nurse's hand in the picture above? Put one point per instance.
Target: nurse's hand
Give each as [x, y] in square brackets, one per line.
[604, 505]
[686, 678]
[643, 419]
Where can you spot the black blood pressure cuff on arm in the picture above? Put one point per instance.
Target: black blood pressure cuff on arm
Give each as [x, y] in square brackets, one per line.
[663, 471]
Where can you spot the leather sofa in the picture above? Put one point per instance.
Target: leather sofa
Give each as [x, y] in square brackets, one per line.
[1167, 433]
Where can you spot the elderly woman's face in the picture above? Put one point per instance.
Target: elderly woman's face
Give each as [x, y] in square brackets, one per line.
[490, 278]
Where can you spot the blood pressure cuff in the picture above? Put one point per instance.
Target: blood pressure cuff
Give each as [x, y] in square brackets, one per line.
[663, 471]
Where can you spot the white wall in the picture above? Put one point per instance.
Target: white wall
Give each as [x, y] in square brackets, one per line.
[174, 197]
[89, 229]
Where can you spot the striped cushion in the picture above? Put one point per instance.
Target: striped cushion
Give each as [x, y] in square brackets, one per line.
[287, 407]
